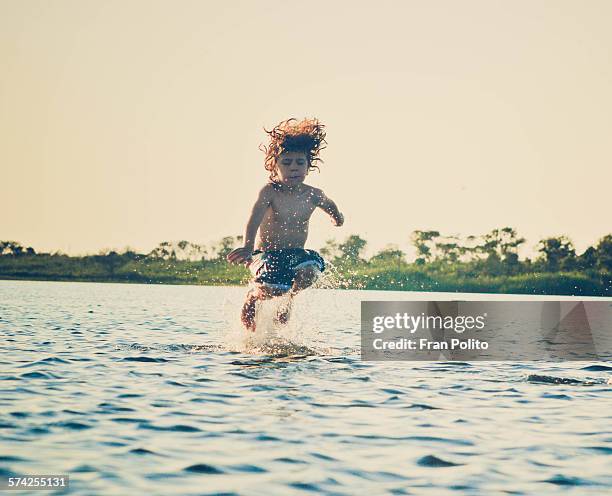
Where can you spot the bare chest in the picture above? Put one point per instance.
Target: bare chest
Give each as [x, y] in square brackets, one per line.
[297, 208]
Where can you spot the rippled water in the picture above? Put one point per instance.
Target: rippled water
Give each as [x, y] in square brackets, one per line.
[150, 389]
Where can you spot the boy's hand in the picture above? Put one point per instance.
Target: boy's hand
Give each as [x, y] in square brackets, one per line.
[240, 255]
[338, 220]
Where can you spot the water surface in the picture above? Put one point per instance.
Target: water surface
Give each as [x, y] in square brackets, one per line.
[150, 389]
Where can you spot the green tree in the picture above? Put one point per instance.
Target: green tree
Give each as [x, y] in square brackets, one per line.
[390, 255]
[112, 261]
[352, 248]
[604, 254]
[178, 250]
[165, 251]
[503, 242]
[471, 248]
[557, 253]
[424, 242]
[588, 259]
[14, 248]
[448, 250]
[186, 250]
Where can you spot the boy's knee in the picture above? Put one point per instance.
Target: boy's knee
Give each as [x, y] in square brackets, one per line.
[266, 292]
[307, 275]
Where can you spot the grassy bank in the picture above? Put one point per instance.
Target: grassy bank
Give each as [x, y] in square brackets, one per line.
[365, 275]
[560, 283]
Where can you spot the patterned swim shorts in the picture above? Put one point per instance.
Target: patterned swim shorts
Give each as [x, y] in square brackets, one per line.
[277, 268]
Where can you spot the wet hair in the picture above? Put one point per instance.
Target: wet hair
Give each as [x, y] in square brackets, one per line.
[305, 136]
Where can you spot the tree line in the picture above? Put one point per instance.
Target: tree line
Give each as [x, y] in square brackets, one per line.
[483, 263]
[495, 253]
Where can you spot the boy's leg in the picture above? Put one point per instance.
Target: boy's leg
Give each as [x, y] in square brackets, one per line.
[282, 315]
[247, 316]
[304, 278]
[248, 309]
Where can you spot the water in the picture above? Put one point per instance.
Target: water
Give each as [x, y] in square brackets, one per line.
[150, 389]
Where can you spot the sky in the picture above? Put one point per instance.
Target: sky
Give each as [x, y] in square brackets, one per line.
[127, 123]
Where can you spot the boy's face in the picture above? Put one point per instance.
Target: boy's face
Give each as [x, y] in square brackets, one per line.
[292, 168]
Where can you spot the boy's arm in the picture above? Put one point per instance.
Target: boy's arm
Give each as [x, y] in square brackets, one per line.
[243, 254]
[329, 207]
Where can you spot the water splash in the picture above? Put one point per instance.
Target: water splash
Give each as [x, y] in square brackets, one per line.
[302, 335]
[331, 278]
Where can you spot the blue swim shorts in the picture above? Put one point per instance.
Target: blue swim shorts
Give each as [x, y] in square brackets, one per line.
[276, 268]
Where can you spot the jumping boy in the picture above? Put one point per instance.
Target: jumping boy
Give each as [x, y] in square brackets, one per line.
[280, 264]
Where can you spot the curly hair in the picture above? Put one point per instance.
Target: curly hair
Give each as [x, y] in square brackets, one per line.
[292, 135]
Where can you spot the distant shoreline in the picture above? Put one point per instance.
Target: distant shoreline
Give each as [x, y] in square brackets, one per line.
[178, 282]
[443, 265]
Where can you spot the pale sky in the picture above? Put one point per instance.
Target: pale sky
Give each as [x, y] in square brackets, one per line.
[126, 123]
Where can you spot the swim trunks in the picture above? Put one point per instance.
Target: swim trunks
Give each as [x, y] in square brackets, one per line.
[276, 268]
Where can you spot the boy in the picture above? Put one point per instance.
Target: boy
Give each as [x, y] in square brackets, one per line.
[281, 214]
